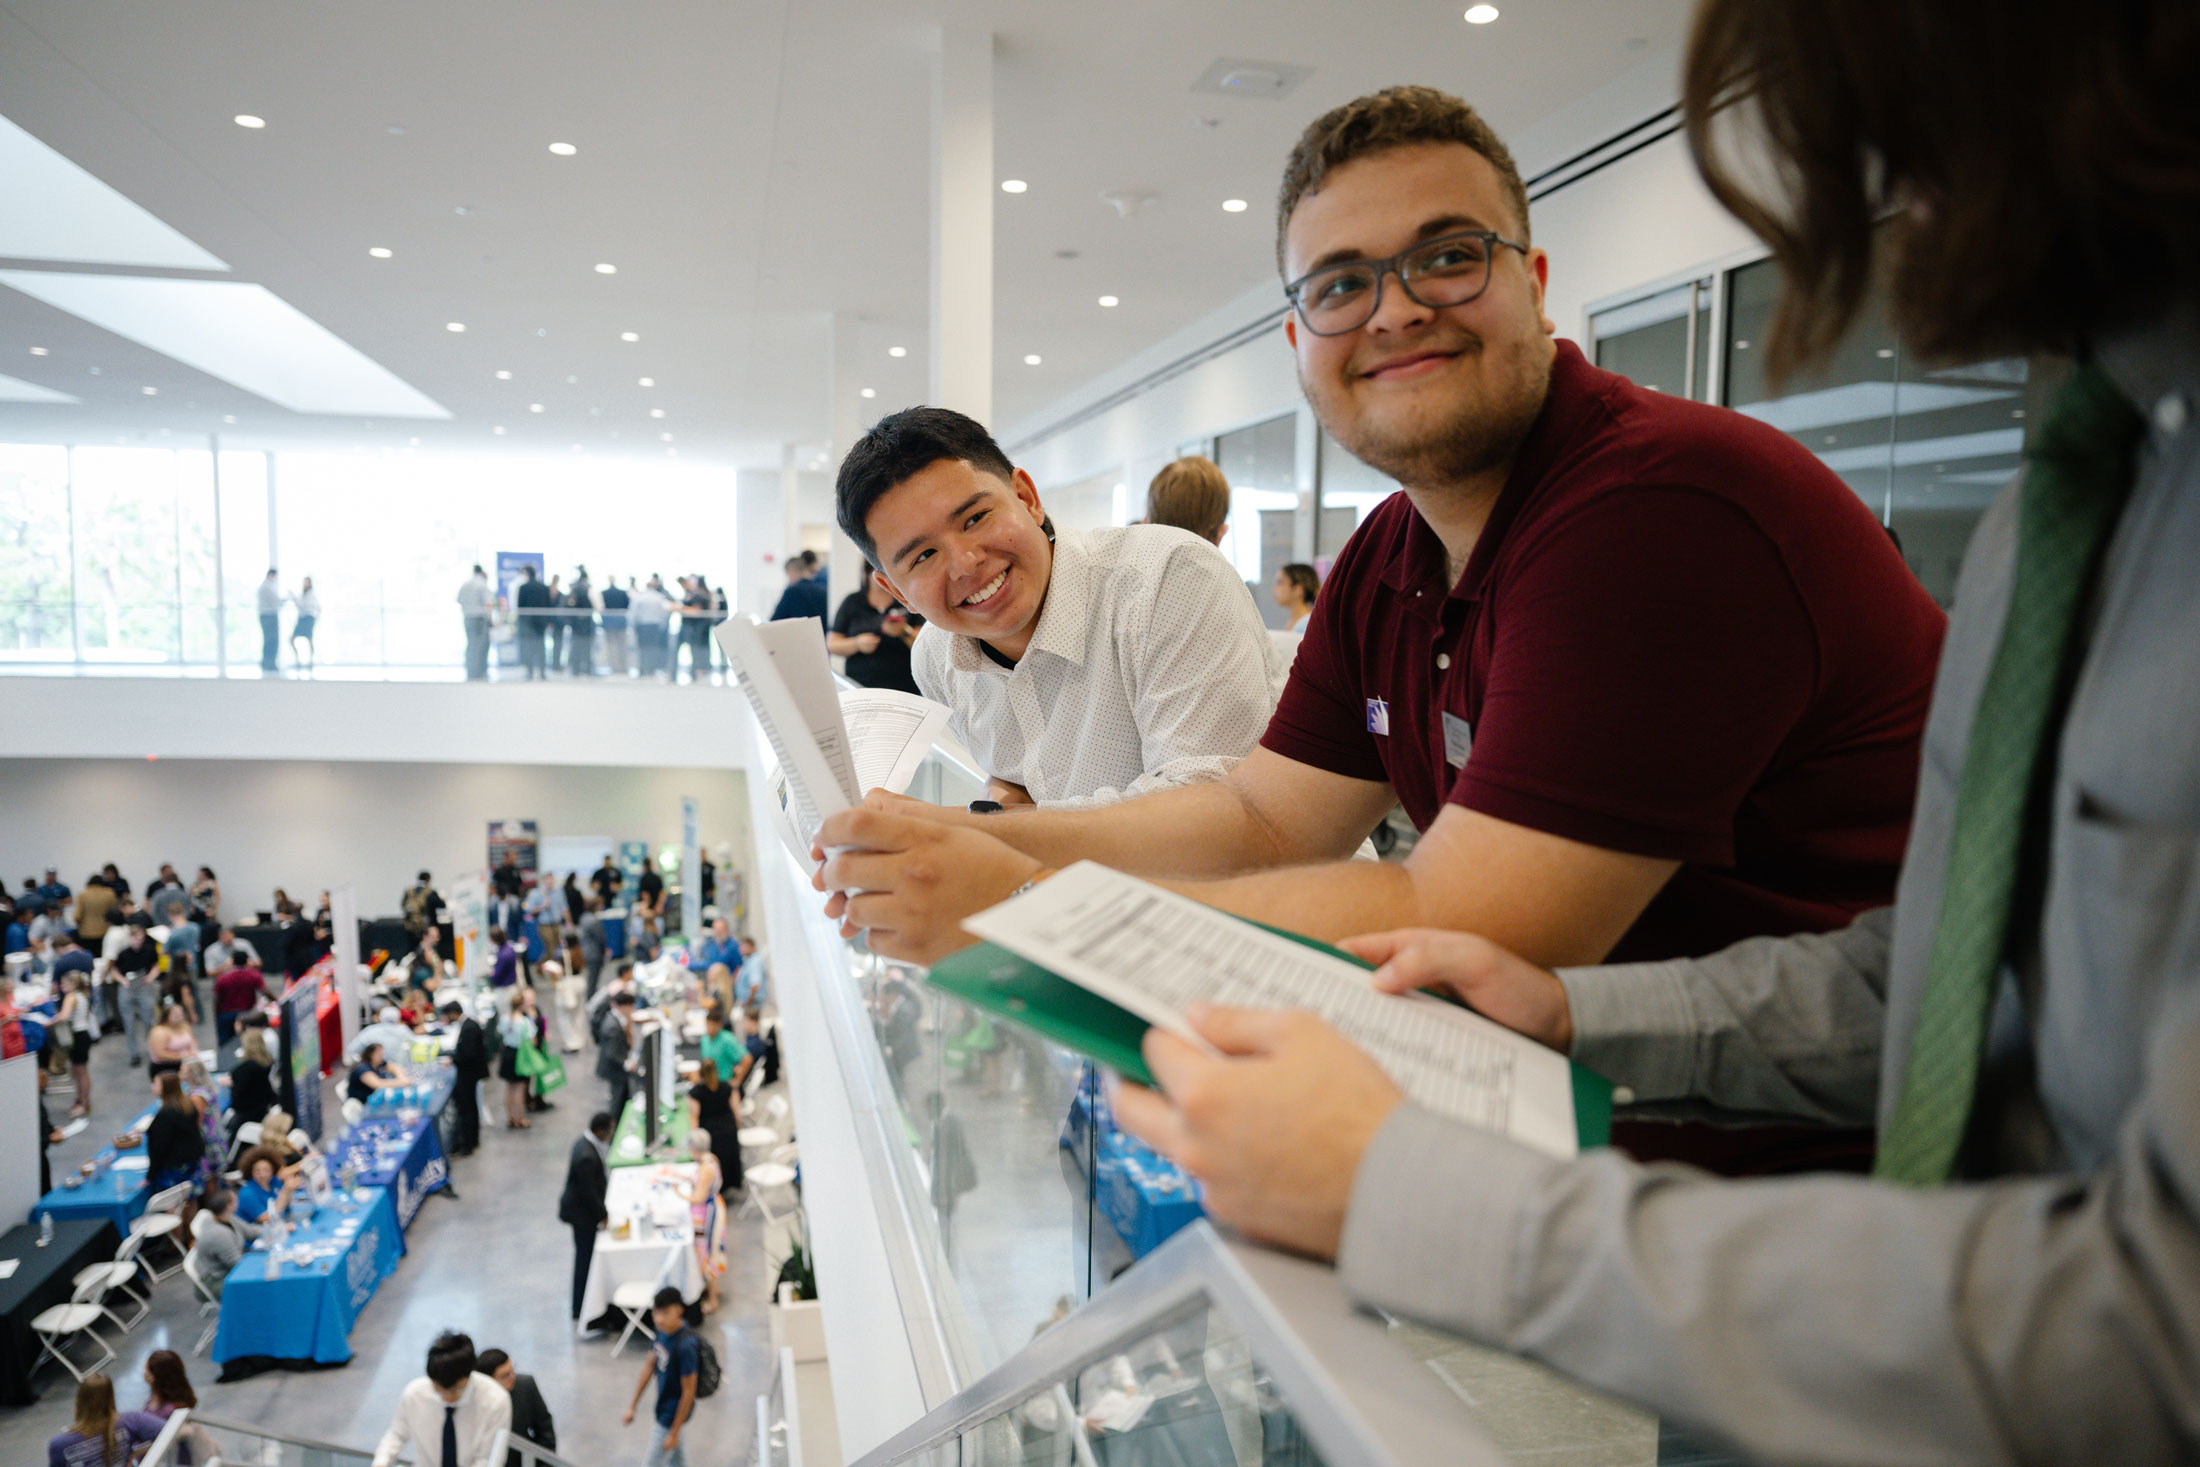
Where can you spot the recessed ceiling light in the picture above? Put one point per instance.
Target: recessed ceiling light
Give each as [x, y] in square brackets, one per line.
[1110, 301]
[498, 431]
[454, 325]
[868, 392]
[504, 376]
[897, 351]
[564, 150]
[229, 417]
[1233, 206]
[38, 351]
[1885, 352]
[607, 268]
[572, 381]
[1013, 185]
[1741, 346]
[1481, 14]
[246, 119]
[630, 336]
[646, 381]
[534, 407]
[1031, 361]
[380, 252]
[150, 391]
[656, 412]
[664, 437]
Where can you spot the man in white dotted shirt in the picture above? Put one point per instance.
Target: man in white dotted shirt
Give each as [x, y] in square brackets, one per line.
[1082, 666]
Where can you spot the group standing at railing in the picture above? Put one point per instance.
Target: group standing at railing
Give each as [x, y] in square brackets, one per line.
[558, 627]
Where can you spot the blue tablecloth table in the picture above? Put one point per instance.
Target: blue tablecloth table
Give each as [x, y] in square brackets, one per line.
[116, 1194]
[294, 1311]
[397, 1153]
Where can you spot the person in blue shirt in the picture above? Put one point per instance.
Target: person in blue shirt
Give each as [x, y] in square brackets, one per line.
[262, 1192]
[55, 892]
[676, 1361]
[805, 594]
[751, 984]
[718, 947]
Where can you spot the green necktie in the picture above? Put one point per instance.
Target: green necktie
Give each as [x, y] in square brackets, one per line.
[2077, 474]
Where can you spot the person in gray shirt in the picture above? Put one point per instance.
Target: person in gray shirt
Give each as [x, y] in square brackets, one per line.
[222, 1238]
[2020, 1281]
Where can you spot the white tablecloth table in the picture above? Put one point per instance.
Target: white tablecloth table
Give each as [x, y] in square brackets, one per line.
[660, 1242]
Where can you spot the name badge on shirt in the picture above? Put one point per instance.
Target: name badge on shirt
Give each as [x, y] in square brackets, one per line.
[1378, 717]
[1458, 741]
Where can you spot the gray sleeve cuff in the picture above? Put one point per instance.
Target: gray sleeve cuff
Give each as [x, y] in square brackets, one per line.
[1428, 1232]
[1634, 1025]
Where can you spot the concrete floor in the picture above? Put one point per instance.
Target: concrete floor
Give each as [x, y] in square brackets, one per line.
[496, 1263]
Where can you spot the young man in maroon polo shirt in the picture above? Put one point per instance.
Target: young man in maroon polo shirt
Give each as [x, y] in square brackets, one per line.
[1645, 674]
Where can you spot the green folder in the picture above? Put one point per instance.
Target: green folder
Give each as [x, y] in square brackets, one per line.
[996, 980]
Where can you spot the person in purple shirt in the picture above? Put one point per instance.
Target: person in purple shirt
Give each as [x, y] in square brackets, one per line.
[101, 1436]
[504, 972]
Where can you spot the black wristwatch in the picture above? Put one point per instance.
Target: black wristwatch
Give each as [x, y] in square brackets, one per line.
[985, 807]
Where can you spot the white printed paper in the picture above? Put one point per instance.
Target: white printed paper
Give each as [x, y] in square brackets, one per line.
[828, 747]
[8, 1267]
[1154, 953]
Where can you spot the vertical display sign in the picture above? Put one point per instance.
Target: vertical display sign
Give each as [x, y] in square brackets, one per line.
[302, 1055]
[351, 998]
[691, 870]
[469, 901]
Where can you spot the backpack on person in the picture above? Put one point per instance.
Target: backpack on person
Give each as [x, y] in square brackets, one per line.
[709, 1375]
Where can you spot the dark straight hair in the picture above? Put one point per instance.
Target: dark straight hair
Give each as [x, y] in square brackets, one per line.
[901, 446]
[2031, 168]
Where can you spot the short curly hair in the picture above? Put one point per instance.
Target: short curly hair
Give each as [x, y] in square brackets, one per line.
[1396, 117]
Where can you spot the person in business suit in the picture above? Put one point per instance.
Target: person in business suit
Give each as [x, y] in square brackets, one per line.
[581, 1207]
[470, 1058]
[615, 1050]
[530, 1413]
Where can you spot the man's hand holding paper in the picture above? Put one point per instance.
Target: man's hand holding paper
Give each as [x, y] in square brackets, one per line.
[912, 880]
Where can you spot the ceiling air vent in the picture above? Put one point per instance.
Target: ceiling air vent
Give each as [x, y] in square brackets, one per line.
[1267, 80]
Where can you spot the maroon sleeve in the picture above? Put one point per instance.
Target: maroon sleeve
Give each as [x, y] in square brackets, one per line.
[1321, 719]
[1651, 656]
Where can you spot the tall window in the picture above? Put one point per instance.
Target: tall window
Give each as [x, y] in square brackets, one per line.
[1261, 463]
[1925, 448]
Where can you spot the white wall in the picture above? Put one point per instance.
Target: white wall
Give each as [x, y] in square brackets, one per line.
[559, 722]
[309, 825]
[19, 1140]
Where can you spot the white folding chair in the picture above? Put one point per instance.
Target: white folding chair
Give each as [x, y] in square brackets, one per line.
[163, 1220]
[635, 1300]
[353, 1108]
[770, 1181]
[209, 1301]
[248, 1134]
[117, 1276]
[55, 1327]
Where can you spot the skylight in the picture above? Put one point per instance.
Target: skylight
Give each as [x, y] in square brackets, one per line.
[243, 334]
[57, 211]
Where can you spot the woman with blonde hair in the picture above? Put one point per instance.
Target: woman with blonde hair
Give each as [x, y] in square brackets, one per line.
[516, 1029]
[708, 1213]
[101, 1436]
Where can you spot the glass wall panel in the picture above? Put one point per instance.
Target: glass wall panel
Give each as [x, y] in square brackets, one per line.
[1662, 342]
[128, 554]
[1261, 463]
[1925, 448]
[1349, 492]
[34, 554]
[198, 557]
[244, 552]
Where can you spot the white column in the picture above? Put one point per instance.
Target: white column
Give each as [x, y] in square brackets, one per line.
[962, 224]
[759, 528]
[850, 415]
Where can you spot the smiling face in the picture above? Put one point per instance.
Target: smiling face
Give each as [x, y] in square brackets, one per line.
[1429, 397]
[963, 548]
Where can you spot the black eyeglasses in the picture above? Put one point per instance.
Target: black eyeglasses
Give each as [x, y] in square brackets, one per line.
[1448, 271]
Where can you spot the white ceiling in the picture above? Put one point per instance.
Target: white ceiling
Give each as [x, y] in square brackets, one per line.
[750, 166]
